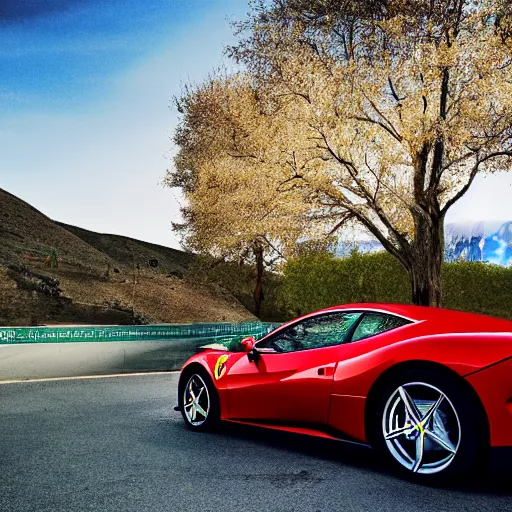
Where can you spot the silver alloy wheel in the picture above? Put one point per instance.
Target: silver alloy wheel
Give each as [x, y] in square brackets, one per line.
[421, 428]
[196, 400]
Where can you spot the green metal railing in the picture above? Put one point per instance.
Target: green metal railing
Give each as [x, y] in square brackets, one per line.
[216, 331]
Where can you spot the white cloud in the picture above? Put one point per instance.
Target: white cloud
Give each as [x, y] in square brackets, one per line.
[489, 198]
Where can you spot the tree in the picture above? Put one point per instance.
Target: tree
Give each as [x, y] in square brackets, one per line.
[238, 205]
[403, 102]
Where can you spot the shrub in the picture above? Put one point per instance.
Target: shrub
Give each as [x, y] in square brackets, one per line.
[478, 287]
[320, 280]
[51, 256]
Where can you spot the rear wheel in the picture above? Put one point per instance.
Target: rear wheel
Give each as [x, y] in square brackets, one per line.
[430, 425]
[199, 403]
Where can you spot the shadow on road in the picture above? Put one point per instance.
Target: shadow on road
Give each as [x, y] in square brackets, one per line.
[486, 481]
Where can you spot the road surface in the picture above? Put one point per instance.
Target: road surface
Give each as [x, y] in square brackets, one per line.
[115, 444]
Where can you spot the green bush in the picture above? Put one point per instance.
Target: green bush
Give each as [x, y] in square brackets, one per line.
[320, 280]
[52, 256]
[478, 287]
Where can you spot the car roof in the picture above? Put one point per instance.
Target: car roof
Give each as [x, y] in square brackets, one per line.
[435, 316]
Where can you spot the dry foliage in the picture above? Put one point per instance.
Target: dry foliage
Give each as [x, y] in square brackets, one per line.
[378, 112]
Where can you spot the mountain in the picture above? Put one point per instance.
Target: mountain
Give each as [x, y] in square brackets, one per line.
[344, 248]
[127, 251]
[26, 231]
[51, 272]
[488, 241]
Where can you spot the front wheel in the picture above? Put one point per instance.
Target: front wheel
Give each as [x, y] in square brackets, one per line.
[430, 426]
[199, 403]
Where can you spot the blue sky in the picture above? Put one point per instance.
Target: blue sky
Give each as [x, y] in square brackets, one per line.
[86, 113]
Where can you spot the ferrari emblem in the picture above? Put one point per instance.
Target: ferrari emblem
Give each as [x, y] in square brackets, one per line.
[220, 367]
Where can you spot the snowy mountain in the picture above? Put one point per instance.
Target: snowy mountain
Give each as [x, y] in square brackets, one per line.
[489, 241]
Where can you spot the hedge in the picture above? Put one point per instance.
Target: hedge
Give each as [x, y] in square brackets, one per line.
[320, 280]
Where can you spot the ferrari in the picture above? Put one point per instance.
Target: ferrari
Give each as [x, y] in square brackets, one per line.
[429, 388]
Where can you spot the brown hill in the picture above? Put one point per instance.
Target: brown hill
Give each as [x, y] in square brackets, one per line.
[25, 231]
[51, 272]
[127, 252]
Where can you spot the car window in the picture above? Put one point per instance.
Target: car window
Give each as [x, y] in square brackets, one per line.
[316, 332]
[376, 323]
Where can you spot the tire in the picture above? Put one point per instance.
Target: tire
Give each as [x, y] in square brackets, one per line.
[450, 438]
[198, 400]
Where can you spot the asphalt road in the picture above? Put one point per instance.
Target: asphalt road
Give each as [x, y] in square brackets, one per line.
[116, 444]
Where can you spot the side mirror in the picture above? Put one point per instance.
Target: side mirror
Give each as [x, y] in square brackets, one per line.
[248, 343]
[253, 355]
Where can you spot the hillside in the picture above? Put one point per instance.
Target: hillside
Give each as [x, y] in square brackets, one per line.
[127, 252]
[51, 272]
[26, 231]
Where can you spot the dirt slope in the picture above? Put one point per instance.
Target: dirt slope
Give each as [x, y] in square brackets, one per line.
[127, 251]
[96, 278]
[26, 231]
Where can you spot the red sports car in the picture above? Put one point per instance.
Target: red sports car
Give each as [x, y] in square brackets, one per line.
[431, 388]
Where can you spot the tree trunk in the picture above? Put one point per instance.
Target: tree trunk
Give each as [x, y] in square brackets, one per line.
[258, 291]
[427, 260]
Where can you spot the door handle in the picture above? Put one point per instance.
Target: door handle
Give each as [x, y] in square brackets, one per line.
[327, 371]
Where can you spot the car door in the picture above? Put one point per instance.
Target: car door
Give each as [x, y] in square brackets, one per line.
[290, 380]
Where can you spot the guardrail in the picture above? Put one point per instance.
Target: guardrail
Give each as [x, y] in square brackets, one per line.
[166, 332]
[43, 352]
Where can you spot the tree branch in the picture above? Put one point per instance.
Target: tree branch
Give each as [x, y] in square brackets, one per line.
[381, 124]
[472, 176]
[393, 92]
[392, 129]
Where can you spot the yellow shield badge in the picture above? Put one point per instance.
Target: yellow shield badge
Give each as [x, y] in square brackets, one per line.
[220, 367]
